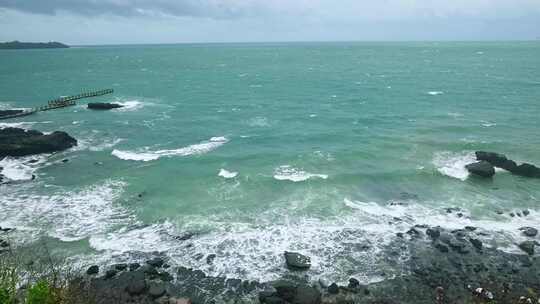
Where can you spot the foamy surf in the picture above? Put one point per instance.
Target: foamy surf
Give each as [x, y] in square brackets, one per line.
[435, 93]
[227, 174]
[130, 105]
[453, 164]
[295, 175]
[21, 169]
[68, 215]
[147, 155]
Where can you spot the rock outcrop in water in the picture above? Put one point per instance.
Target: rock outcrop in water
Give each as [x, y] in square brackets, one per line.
[481, 168]
[297, 261]
[103, 106]
[10, 112]
[20, 142]
[501, 161]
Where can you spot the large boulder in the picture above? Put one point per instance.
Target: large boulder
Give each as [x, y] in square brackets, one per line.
[527, 170]
[297, 261]
[103, 106]
[481, 168]
[20, 142]
[496, 159]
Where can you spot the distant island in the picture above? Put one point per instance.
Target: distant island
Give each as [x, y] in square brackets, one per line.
[17, 45]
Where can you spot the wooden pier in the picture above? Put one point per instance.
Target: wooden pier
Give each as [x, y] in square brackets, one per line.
[60, 103]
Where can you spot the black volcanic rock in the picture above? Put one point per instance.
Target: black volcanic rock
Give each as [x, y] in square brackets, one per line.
[496, 159]
[20, 142]
[297, 261]
[103, 106]
[481, 168]
[527, 170]
[10, 112]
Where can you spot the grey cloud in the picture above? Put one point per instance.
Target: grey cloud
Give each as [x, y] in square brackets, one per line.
[195, 8]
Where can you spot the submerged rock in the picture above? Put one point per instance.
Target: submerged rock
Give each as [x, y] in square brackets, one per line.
[482, 168]
[94, 269]
[103, 106]
[528, 247]
[297, 261]
[20, 142]
[529, 231]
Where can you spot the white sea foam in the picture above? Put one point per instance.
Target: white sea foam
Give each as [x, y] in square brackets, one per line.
[488, 124]
[22, 125]
[295, 175]
[21, 169]
[130, 105]
[435, 93]
[64, 214]
[453, 164]
[106, 144]
[258, 122]
[227, 174]
[147, 155]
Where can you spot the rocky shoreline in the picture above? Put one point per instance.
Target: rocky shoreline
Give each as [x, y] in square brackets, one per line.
[444, 266]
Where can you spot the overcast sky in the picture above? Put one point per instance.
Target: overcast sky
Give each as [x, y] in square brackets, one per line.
[173, 21]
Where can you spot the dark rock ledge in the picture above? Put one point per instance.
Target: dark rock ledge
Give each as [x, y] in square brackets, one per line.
[20, 142]
[103, 106]
[488, 160]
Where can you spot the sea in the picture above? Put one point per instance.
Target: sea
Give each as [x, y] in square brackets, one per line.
[247, 150]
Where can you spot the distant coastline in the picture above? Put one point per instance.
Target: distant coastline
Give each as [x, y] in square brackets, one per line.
[17, 45]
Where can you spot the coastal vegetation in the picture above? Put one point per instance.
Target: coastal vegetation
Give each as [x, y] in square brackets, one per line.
[14, 45]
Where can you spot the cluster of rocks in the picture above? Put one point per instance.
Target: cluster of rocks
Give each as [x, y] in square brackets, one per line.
[487, 161]
[4, 244]
[20, 142]
[103, 106]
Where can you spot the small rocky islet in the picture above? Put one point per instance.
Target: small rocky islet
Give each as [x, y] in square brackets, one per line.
[487, 161]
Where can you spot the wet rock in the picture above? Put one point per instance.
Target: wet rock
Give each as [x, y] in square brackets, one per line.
[433, 233]
[307, 295]
[233, 283]
[184, 237]
[20, 142]
[165, 276]
[155, 262]
[110, 273]
[210, 258]
[136, 283]
[120, 267]
[476, 243]
[103, 106]
[156, 290]
[526, 212]
[263, 295]
[496, 159]
[528, 247]
[65, 160]
[353, 283]
[482, 168]
[441, 247]
[413, 232]
[94, 269]
[134, 266]
[527, 170]
[4, 243]
[470, 228]
[297, 261]
[529, 231]
[333, 289]
[285, 290]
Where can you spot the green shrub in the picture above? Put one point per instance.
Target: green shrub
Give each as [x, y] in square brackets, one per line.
[40, 293]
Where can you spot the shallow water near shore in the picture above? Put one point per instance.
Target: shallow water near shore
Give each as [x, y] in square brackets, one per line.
[326, 149]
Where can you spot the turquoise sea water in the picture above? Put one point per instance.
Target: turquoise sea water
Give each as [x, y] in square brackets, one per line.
[262, 148]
